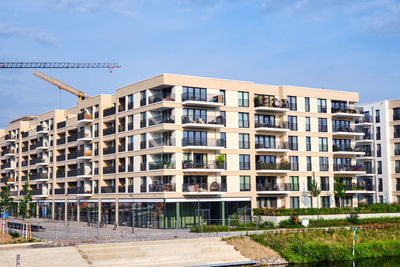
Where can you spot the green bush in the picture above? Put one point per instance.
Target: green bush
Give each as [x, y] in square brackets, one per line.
[353, 218]
[14, 234]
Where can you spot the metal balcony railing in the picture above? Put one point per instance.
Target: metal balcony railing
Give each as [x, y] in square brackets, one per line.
[85, 116]
[213, 98]
[159, 165]
[209, 119]
[345, 110]
[108, 170]
[348, 168]
[204, 142]
[107, 189]
[109, 111]
[359, 187]
[109, 150]
[162, 187]
[203, 165]
[72, 155]
[273, 187]
[60, 157]
[109, 130]
[161, 142]
[61, 124]
[61, 141]
[72, 173]
[72, 138]
[283, 145]
[160, 120]
[59, 191]
[273, 166]
[84, 153]
[202, 187]
[277, 125]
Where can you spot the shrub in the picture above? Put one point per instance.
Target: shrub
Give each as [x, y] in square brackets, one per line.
[14, 234]
[353, 218]
[234, 220]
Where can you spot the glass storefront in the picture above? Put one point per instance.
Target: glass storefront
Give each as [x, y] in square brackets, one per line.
[59, 211]
[108, 212]
[88, 212]
[45, 210]
[72, 211]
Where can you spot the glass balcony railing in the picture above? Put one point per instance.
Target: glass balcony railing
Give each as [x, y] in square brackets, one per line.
[161, 142]
[209, 119]
[210, 142]
[278, 125]
[273, 187]
[203, 165]
[283, 145]
[204, 188]
[273, 166]
[160, 120]
[159, 165]
[160, 97]
[348, 168]
[160, 187]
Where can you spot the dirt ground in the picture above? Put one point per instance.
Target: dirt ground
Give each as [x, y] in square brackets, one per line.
[5, 238]
[251, 249]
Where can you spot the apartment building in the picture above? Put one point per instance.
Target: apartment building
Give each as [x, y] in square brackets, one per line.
[170, 149]
[381, 141]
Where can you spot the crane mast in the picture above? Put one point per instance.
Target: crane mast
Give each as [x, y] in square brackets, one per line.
[55, 65]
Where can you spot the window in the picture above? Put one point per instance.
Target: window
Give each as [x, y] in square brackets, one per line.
[194, 138]
[322, 125]
[294, 202]
[377, 116]
[294, 183]
[244, 183]
[143, 119]
[323, 144]
[398, 199]
[397, 149]
[321, 105]
[143, 141]
[341, 126]
[294, 163]
[308, 143]
[379, 167]
[324, 183]
[222, 94]
[378, 133]
[325, 201]
[309, 182]
[308, 124]
[396, 131]
[264, 121]
[338, 106]
[194, 93]
[292, 101]
[222, 139]
[379, 150]
[96, 130]
[380, 185]
[130, 143]
[323, 164]
[244, 162]
[342, 145]
[130, 101]
[143, 98]
[293, 145]
[265, 141]
[243, 99]
[396, 114]
[244, 141]
[292, 121]
[397, 166]
[309, 164]
[243, 120]
[307, 104]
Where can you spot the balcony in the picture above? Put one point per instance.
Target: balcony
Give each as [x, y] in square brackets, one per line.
[84, 192]
[42, 145]
[366, 138]
[109, 150]
[282, 148]
[85, 136]
[8, 166]
[85, 117]
[346, 113]
[61, 141]
[160, 120]
[72, 138]
[347, 151]
[60, 157]
[39, 177]
[61, 124]
[160, 187]
[10, 181]
[59, 191]
[271, 127]
[215, 188]
[351, 170]
[32, 146]
[109, 112]
[42, 161]
[108, 189]
[9, 152]
[60, 174]
[160, 98]
[108, 131]
[40, 193]
[283, 168]
[84, 173]
[25, 149]
[24, 163]
[206, 100]
[109, 170]
[159, 165]
[345, 132]
[210, 166]
[72, 155]
[356, 188]
[9, 139]
[262, 103]
[203, 144]
[153, 143]
[363, 122]
[121, 168]
[208, 122]
[85, 154]
[273, 189]
[72, 173]
[42, 129]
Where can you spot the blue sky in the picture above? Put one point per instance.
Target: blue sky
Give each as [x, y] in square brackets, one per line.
[336, 44]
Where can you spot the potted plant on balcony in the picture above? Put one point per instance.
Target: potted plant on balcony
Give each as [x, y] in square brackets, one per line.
[220, 160]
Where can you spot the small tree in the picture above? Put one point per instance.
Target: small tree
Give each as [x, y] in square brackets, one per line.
[5, 198]
[314, 191]
[26, 207]
[339, 190]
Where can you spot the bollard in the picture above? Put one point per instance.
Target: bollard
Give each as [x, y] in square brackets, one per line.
[18, 263]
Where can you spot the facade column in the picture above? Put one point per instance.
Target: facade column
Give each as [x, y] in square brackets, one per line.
[116, 211]
[99, 211]
[52, 210]
[66, 210]
[177, 215]
[223, 212]
[78, 210]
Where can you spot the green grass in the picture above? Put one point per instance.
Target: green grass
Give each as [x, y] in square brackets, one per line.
[332, 245]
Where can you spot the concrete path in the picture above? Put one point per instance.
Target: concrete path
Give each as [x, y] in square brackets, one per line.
[181, 252]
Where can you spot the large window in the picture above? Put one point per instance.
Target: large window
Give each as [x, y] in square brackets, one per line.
[244, 183]
[292, 121]
[243, 99]
[377, 116]
[244, 141]
[324, 183]
[378, 150]
[307, 104]
[396, 114]
[264, 121]
[321, 105]
[294, 163]
[378, 133]
[194, 138]
[396, 131]
[244, 162]
[243, 120]
[308, 124]
[294, 202]
[222, 94]
[265, 141]
[397, 166]
[323, 164]
[342, 145]
[194, 115]
[323, 144]
[294, 183]
[341, 126]
[339, 106]
[266, 159]
[292, 101]
[309, 164]
[308, 143]
[293, 144]
[325, 201]
[396, 149]
[192, 93]
[322, 125]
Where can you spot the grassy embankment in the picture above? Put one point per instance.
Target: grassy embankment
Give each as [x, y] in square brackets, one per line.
[333, 245]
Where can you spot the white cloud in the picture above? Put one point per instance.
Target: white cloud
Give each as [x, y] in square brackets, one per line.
[85, 6]
[8, 31]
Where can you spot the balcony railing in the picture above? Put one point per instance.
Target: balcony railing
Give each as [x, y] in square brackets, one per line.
[349, 168]
[109, 130]
[161, 165]
[60, 174]
[40, 128]
[36, 192]
[61, 157]
[344, 110]
[36, 176]
[84, 134]
[204, 188]
[61, 141]
[109, 150]
[366, 136]
[159, 97]
[25, 134]
[160, 120]
[72, 173]
[84, 171]
[273, 187]
[160, 187]
[203, 165]
[204, 142]
[109, 111]
[85, 153]
[346, 149]
[61, 124]
[72, 138]
[209, 119]
[359, 187]
[107, 189]
[213, 98]
[72, 155]
[121, 168]
[85, 116]
[342, 129]
[121, 148]
[264, 101]
[59, 191]
[130, 146]
[130, 126]
[273, 166]
[283, 145]
[121, 107]
[282, 125]
[161, 142]
[363, 120]
[108, 170]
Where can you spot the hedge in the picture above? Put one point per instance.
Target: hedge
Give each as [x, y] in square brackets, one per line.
[372, 208]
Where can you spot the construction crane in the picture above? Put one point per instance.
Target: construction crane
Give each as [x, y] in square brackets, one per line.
[62, 86]
[56, 65]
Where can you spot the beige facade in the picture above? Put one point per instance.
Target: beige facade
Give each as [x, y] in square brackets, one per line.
[159, 141]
